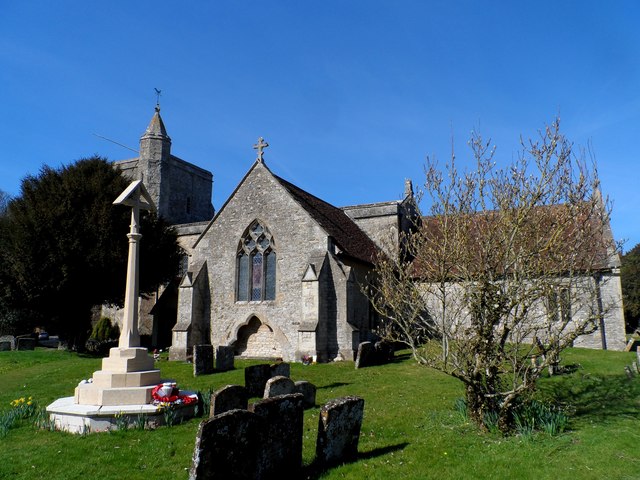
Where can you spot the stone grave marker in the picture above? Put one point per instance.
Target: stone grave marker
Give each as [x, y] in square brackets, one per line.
[383, 352]
[202, 360]
[228, 446]
[278, 385]
[634, 365]
[628, 371]
[5, 346]
[339, 430]
[366, 355]
[255, 379]
[227, 398]
[11, 339]
[308, 391]
[281, 455]
[224, 358]
[26, 343]
[280, 369]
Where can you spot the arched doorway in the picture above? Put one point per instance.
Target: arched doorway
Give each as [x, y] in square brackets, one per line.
[257, 340]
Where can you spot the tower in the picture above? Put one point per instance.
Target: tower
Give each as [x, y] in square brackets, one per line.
[153, 164]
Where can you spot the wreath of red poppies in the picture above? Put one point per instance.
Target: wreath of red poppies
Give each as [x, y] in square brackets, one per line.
[168, 392]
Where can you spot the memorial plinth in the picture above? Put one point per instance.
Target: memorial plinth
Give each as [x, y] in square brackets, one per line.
[127, 378]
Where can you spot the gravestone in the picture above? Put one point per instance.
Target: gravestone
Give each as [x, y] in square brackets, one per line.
[5, 346]
[308, 391]
[280, 369]
[634, 365]
[278, 385]
[628, 371]
[202, 360]
[228, 446]
[383, 352]
[281, 455]
[366, 355]
[339, 430]
[224, 358]
[255, 379]
[227, 398]
[26, 343]
[11, 339]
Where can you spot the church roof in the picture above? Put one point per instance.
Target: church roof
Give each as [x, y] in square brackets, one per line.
[558, 237]
[346, 234]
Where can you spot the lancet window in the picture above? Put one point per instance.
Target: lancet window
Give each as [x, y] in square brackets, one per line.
[256, 265]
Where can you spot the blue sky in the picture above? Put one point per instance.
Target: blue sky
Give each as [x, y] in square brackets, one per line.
[351, 95]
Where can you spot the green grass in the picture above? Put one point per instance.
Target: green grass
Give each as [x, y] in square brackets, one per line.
[410, 431]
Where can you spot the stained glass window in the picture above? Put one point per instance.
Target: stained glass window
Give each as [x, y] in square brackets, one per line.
[256, 265]
[270, 275]
[243, 277]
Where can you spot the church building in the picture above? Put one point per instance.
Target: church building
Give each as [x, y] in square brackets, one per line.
[278, 272]
[275, 272]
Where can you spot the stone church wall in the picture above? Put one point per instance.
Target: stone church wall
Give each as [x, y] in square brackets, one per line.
[380, 221]
[296, 238]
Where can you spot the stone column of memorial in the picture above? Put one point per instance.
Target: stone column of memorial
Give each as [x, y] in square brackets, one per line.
[127, 376]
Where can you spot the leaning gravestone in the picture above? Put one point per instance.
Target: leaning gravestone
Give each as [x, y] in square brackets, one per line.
[339, 430]
[281, 455]
[227, 398]
[26, 343]
[278, 385]
[224, 358]
[255, 379]
[280, 369]
[5, 346]
[202, 360]
[366, 355]
[227, 447]
[308, 391]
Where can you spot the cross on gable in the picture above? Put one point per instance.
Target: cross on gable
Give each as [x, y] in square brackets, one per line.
[260, 146]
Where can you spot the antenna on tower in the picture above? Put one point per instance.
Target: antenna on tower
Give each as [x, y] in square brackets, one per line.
[117, 143]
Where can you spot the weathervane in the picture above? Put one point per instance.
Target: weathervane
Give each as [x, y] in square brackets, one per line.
[260, 146]
[158, 92]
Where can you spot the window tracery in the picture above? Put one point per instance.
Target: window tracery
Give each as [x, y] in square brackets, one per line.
[256, 265]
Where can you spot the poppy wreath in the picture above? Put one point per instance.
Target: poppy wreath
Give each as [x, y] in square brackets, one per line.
[168, 393]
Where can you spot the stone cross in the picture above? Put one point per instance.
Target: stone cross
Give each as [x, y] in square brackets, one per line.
[136, 197]
[260, 146]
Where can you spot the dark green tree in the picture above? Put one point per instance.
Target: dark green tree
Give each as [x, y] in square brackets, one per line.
[4, 201]
[630, 274]
[63, 248]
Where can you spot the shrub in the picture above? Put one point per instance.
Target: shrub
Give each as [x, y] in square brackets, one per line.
[104, 330]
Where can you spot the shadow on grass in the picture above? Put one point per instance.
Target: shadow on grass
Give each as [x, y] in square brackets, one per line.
[315, 470]
[400, 357]
[334, 385]
[595, 396]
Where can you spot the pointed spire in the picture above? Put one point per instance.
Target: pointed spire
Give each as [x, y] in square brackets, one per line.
[156, 126]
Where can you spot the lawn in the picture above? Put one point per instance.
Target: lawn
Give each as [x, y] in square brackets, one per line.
[410, 429]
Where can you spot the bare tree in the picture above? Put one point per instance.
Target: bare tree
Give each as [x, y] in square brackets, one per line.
[505, 272]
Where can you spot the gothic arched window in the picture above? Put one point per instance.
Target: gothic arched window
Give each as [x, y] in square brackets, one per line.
[256, 265]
